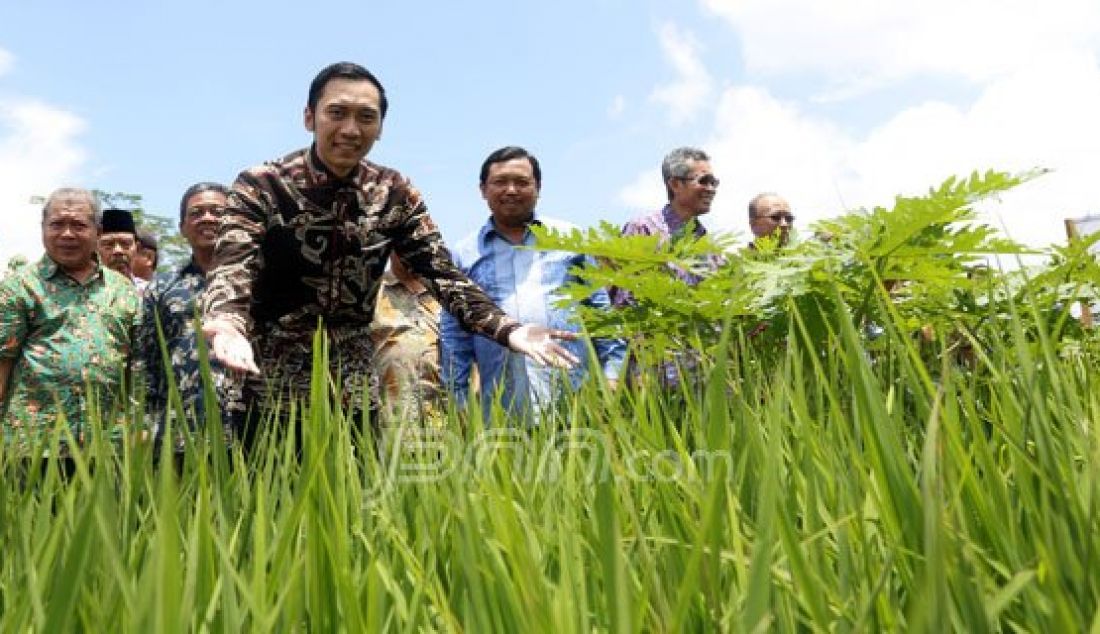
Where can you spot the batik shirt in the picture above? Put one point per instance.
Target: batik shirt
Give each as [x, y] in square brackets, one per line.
[172, 299]
[63, 334]
[406, 353]
[526, 283]
[300, 246]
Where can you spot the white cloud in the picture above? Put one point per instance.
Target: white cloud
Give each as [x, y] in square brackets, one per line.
[693, 86]
[857, 44]
[644, 192]
[38, 153]
[1043, 114]
[617, 107]
[6, 61]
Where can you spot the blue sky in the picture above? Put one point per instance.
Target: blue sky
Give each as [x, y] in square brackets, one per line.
[835, 105]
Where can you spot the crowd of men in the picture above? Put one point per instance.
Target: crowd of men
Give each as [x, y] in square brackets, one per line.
[302, 241]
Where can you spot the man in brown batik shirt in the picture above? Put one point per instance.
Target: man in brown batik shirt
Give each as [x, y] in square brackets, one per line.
[304, 242]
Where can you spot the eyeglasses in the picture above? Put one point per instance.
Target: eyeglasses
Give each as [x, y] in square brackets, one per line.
[779, 217]
[199, 212]
[706, 180]
[521, 184]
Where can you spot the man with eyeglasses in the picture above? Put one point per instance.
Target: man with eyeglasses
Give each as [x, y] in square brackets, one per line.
[304, 243]
[171, 302]
[526, 284]
[691, 185]
[770, 218]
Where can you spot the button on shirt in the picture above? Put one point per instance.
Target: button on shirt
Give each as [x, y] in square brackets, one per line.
[525, 283]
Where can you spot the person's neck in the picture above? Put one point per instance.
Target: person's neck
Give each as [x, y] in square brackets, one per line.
[204, 258]
[81, 273]
[515, 235]
[684, 214]
[339, 174]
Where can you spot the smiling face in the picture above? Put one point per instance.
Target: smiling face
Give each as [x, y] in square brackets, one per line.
[693, 193]
[345, 123]
[69, 234]
[511, 191]
[201, 218]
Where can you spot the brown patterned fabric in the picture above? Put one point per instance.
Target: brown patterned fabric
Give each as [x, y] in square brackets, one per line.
[299, 247]
[406, 353]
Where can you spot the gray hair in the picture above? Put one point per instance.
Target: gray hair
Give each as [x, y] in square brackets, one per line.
[756, 201]
[677, 164]
[74, 192]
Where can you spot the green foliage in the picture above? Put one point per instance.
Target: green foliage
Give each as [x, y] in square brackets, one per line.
[15, 263]
[913, 264]
[811, 479]
[823, 491]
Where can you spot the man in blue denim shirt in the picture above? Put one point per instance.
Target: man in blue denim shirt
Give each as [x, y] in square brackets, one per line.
[525, 284]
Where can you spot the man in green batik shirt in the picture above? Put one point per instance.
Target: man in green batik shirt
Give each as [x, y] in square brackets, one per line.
[65, 325]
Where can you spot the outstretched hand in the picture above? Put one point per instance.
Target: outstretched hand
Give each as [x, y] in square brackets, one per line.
[230, 347]
[538, 343]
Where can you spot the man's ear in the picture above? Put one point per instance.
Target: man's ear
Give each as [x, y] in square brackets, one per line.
[484, 191]
[307, 118]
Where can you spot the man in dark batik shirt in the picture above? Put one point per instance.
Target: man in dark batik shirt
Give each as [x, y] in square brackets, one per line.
[171, 301]
[305, 240]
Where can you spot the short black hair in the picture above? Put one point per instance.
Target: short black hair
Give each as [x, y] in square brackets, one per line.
[198, 188]
[508, 153]
[344, 70]
[148, 240]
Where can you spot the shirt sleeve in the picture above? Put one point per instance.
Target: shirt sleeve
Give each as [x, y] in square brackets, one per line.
[420, 246]
[610, 352]
[148, 359]
[13, 317]
[456, 351]
[237, 255]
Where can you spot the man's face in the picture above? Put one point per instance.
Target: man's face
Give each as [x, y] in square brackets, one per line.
[511, 191]
[117, 251]
[145, 262]
[69, 233]
[346, 123]
[695, 192]
[201, 219]
[772, 218]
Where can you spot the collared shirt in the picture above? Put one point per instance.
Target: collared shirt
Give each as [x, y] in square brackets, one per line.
[62, 334]
[171, 299]
[525, 283]
[406, 352]
[299, 246]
